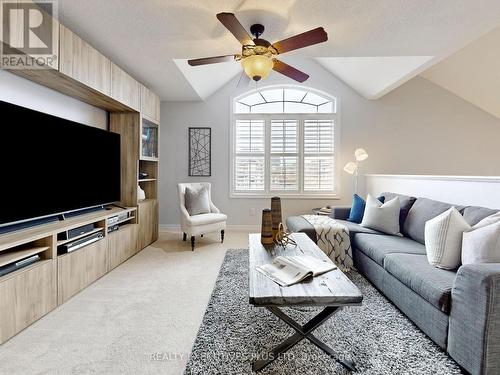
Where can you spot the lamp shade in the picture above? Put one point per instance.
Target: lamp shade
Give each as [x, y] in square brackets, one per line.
[257, 67]
[350, 167]
[360, 154]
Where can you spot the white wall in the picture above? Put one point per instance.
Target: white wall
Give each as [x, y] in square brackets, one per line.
[23, 92]
[460, 190]
[419, 128]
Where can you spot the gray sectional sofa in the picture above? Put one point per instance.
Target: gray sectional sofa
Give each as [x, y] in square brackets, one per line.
[459, 310]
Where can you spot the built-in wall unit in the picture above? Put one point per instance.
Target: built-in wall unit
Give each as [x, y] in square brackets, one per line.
[73, 212]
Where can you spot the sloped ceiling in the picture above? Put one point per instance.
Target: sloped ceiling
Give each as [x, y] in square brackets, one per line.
[473, 73]
[147, 38]
[373, 77]
[207, 79]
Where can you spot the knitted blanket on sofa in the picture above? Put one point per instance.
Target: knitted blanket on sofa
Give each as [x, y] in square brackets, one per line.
[333, 239]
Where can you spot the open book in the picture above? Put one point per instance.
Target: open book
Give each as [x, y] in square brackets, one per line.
[291, 270]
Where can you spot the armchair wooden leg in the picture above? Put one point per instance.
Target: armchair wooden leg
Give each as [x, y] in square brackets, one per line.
[192, 243]
[184, 235]
[222, 236]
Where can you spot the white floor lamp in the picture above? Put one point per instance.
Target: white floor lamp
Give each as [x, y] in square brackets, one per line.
[353, 166]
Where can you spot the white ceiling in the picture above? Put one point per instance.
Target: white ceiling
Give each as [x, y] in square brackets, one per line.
[473, 73]
[145, 37]
[373, 77]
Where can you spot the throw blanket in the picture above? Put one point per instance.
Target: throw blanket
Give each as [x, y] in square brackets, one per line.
[333, 239]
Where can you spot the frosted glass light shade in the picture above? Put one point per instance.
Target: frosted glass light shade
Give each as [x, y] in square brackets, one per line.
[257, 67]
[360, 154]
[350, 167]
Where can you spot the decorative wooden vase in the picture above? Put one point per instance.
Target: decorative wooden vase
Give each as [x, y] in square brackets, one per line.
[276, 214]
[266, 232]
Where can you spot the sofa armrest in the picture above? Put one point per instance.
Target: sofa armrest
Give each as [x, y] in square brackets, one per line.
[474, 331]
[340, 212]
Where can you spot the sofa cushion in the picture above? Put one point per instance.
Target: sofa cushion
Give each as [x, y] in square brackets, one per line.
[423, 210]
[405, 201]
[432, 284]
[474, 214]
[297, 224]
[377, 247]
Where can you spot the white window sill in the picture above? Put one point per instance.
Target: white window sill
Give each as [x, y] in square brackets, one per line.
[285, 196]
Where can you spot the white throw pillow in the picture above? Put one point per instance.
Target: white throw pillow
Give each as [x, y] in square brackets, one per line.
[482, 243]
[443, 239]
[382, 217]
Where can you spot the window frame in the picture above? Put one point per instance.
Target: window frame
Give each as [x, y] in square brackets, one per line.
[301, 118]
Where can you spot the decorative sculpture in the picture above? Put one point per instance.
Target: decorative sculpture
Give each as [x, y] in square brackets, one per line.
[283, 237]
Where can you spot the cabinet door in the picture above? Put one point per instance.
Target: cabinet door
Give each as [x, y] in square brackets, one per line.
[124, 88]
[148, 222]
[150, 104]
[122, 244]
[78, 269]
[26, 297]
[80, 61]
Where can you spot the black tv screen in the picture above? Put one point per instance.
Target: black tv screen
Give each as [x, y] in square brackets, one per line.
[51, 165]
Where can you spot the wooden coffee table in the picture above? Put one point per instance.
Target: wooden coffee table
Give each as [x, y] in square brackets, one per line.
[332, 290]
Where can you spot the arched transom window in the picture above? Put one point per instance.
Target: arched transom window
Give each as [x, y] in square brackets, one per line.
[283, 142]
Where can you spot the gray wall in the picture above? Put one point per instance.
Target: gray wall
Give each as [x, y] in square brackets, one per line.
[418, 128]
[23, 92]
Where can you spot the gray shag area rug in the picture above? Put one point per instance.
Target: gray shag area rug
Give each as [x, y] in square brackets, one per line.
[377, 336]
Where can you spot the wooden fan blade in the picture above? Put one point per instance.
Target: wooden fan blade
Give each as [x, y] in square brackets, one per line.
[231, 23]
[308, 38]
[289, 71]
[210, 60]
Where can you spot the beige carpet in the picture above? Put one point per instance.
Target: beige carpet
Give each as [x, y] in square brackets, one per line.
[141, 318]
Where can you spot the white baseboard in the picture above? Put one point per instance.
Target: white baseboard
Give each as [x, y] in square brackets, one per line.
[231, 227]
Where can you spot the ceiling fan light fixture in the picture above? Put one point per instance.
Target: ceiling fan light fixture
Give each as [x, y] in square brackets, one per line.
[257, 67]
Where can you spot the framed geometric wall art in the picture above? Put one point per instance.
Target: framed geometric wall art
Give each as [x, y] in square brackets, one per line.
[200, 152]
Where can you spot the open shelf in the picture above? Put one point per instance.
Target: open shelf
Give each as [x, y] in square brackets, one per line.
[146, 180]
[8, 257]
[62, 242]
[124, 220]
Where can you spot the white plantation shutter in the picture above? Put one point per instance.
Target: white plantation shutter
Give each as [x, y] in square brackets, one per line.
[318, 155]
[284, 155]
[283, 143]
[249, 164]
[250, 137]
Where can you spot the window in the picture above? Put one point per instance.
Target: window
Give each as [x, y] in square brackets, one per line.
[284, 143]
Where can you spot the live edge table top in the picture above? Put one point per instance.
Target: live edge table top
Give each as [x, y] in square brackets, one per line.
[330, 289]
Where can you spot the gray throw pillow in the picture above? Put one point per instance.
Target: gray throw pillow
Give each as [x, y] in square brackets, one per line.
[197, 201]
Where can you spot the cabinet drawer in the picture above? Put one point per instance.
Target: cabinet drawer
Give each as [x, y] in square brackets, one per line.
[26, 297]
[150, 104]
[148, 222]
[78, 269]
[122, 244]
[124, 88]
[80, 61]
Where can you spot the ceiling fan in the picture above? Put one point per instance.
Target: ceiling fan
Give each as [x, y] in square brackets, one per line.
[258, 56]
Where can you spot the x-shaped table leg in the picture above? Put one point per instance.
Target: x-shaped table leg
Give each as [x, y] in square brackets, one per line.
[302, 332]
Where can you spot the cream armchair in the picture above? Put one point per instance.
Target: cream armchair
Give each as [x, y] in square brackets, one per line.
[197, 225]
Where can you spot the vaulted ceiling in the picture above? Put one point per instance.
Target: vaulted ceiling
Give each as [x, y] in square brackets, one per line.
[374, 46]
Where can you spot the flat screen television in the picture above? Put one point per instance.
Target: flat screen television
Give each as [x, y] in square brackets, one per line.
[52, 166]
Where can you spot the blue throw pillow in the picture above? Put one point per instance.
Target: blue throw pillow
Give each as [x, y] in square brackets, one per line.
[358, 208]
